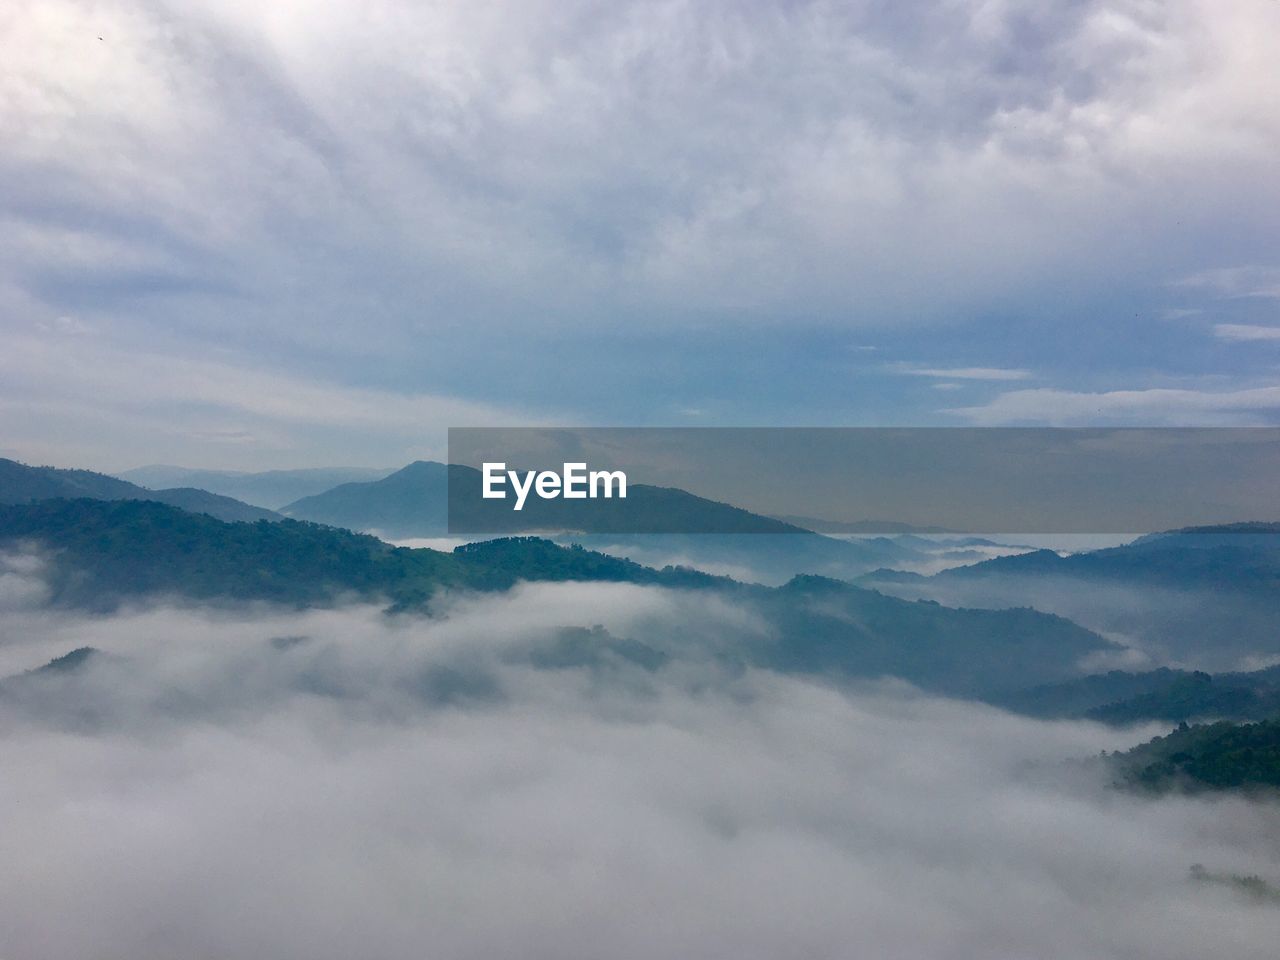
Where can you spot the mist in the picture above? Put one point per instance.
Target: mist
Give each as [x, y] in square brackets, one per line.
[258, 782]
[773, 559]
[1191, 628]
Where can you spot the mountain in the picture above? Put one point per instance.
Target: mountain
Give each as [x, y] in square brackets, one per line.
[202, 501]
[1216, 756]
[830, 627]
[1242, 556]
[101, 553]
[20, 483]
[106, 552]
[271, 489]
[1208, 597]
[57, 692]
[1120, 697]
[414, 502]
[1197, 696]
[767, 557]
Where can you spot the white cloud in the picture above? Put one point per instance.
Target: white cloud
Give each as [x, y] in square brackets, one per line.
[375, 185]
[22, 581]
[1233, 282]
[963, 373]
[1154, 407]
[120, 403]
[331, 809]
[1245, 331]
[727, 156]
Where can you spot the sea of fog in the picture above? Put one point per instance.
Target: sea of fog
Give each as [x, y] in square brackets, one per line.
[251, 782]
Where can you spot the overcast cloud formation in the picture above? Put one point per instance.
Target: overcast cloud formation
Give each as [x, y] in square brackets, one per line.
[200, 790]
[224, 222]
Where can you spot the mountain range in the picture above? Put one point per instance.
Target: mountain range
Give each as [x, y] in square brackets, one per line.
[102, 553]
[415, 502]
[1207, 597]
[20, 483]
[271, 489]
[1177, 696]
[1016, 631]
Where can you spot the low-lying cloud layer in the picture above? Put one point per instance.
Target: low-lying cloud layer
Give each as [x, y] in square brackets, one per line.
[259, 783]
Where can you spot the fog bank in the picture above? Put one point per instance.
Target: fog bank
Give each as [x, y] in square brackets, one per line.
[266, 784]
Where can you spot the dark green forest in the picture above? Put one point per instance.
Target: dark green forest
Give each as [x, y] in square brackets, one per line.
[1215, 756]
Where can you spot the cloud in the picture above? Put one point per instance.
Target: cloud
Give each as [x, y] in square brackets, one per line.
[1155, 626]
[1232, 282]
[962, 373]
[64, 326]
[331, 807]
[1245, 332]
[112, 401]
[22, 583]
[1153, 407]
[500, 204]
[470, 161]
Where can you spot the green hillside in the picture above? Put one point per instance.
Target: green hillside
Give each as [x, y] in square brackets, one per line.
[1217, 756]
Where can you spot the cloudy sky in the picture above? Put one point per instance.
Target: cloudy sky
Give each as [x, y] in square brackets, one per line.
[286, 234]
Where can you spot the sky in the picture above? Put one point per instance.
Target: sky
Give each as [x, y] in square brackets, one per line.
[265, 235]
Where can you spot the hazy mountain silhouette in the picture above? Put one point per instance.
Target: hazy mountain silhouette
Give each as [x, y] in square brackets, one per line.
[271, 489]
[1122, 697]
[20, 483]
[411, 502]
[1208, 597]
[414, 502]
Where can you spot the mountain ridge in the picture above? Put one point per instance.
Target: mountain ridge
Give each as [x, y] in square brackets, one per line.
[23, 483]
[100, 554]
[1204, 597]
[270, 489]
[415, 502]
